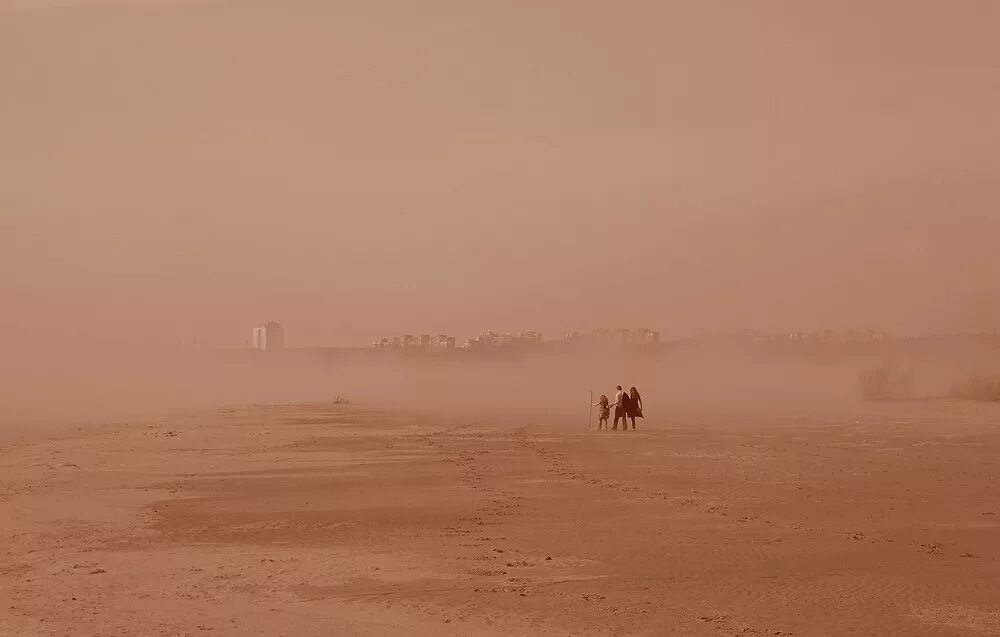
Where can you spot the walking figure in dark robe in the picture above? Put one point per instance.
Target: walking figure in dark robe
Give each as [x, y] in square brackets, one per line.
[634, 406]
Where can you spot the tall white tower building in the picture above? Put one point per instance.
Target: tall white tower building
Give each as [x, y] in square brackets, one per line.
[269, 337]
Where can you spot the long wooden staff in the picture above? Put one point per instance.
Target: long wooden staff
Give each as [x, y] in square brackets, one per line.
[590, 416]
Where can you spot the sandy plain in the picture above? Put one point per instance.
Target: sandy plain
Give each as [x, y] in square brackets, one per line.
[315, 519]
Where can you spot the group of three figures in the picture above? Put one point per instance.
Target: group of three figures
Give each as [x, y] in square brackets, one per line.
[627, 405]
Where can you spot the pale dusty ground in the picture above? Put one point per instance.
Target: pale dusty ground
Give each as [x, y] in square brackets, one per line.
[322, 520]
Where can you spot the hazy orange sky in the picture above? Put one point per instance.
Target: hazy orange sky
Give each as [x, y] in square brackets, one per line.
[171, 170]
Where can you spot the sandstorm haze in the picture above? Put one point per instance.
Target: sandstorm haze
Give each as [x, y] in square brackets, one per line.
[181, 170]
[786, 191]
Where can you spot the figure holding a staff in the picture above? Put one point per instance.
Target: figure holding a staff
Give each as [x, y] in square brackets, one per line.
[604, 413]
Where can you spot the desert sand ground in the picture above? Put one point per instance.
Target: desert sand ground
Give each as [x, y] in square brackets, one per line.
[324, 520]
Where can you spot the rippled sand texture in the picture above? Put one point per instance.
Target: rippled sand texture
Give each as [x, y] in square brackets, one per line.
[322, 520]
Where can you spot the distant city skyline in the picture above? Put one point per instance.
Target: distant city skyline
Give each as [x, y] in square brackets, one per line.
[273, 333]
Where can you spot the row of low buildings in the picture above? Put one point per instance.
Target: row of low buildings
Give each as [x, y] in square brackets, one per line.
[427, 342]
[271, 336]
[416, 342]
[493, 339]
[490, 338]
[820, 336]
[621, 336]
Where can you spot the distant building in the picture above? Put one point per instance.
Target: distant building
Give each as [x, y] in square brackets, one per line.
[612, 338]
[531, 336]
[491, 338]
[646, 336]
[424, 342]
[269, 337]
[443, 341]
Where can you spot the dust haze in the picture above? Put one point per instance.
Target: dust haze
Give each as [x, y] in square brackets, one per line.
[688, 382]
[547, 387]
[777, 219]
[177, 172]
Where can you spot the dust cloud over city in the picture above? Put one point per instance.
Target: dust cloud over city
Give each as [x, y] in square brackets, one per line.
[777, 220]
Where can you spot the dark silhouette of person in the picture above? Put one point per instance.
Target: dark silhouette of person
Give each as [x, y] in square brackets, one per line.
[621, 409]
[634, 406]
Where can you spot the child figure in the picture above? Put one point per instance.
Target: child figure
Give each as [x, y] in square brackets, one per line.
[605, 412]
